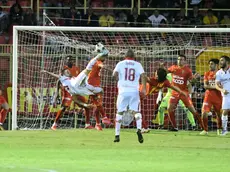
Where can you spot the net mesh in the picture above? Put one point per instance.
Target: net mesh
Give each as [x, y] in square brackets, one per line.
[38, 50]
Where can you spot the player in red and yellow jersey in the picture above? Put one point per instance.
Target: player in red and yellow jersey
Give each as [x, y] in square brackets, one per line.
[4, 108]
[212, 97]
[181, 74]
[159, 81]
[94, 85]
[66, 97]
[156, 83]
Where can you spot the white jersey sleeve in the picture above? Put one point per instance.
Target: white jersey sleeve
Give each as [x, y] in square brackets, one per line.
[116, 68]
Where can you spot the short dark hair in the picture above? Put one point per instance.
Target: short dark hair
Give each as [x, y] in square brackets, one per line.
[130, 53]
[226, 58]
[214, 60]
[69, 57]
[69, 61]
[182, 55]
[162, 74]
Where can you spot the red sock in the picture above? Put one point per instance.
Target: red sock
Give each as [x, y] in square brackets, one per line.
[144, 123]
[87, 117]
[97, 117]
[171, 115]
[3, 115]
[219, 122]
[205, 122]
[198, 118]
[101, 110]
[58, 116]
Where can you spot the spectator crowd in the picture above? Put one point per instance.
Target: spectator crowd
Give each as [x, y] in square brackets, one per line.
[72, 16]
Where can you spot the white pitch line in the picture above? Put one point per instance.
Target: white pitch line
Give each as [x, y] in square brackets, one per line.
[35, 169]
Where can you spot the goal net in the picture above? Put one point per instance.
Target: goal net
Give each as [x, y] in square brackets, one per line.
[46, 48]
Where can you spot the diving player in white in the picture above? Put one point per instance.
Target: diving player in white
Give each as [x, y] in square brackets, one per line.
[77, 85]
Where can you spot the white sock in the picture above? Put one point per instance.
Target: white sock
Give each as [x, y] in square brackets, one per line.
[224, 122]
[80, 78]
[118, 124]
[86, 125]
[0, 123]
[138, 118]
[54, 124]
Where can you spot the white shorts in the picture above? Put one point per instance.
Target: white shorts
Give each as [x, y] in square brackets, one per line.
[83, 91]
[226, 102]
[95, 90]
[127, 101]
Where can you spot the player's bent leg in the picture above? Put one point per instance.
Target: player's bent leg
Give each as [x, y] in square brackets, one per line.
[189, 115]
[224, 122]
[138, 118]
[161, 110]
[217, 109]
[205, 123]
[171, 112]
[87, 119]
[188, 103]
[98, 121]
[219, 123]
[97, 100]
[196, 115]
[58, 116]
[118, 126]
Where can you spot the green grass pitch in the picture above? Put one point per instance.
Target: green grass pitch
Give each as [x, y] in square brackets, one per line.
[93, 151]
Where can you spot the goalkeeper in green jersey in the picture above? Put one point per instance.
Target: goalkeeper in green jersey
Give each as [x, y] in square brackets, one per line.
[164, 104]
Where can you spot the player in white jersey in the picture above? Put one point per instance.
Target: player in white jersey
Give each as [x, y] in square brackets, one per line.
[128, 72]
[223, 85]
[102, 53]
[77, 85]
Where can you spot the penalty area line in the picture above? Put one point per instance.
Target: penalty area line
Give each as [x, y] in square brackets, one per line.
[27, 168]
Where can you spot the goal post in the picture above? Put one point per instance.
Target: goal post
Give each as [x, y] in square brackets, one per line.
[32, 99]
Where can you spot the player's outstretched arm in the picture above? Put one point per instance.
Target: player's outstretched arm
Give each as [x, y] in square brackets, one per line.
[189, 87]
[143, 82]
[220, 88]
[50, 73]
[115, 75]
[56, 91]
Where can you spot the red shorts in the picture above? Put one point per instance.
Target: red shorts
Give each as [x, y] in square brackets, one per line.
[212, 101]
[175, 98]
[2, 100]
